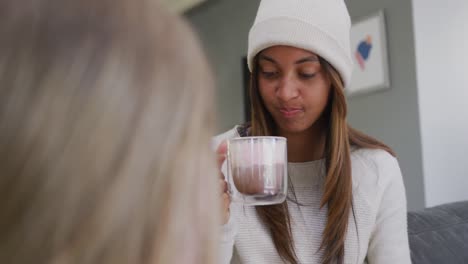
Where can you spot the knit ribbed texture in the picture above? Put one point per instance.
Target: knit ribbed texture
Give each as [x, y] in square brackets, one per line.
[322, 27]
[377, 230]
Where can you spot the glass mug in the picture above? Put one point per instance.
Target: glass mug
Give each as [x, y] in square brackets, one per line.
[257, 170]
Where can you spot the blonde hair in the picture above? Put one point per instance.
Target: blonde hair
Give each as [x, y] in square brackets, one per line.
[106, 114]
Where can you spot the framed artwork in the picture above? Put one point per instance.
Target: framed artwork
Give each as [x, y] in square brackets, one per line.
[369, 53]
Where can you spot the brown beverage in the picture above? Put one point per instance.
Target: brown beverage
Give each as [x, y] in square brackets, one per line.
[261, 180]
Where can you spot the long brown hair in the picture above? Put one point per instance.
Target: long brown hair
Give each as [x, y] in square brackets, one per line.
[105, 130]
[337, 195]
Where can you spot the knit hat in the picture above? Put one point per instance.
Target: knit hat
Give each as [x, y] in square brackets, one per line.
[319, 26]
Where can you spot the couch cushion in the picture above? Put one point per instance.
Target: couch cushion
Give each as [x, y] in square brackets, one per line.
[439, 234]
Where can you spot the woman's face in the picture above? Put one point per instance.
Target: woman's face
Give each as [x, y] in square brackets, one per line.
[293, 87]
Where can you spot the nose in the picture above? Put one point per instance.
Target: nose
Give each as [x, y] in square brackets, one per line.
[287, 89]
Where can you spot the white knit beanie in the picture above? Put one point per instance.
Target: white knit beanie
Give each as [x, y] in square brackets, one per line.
[319, 26]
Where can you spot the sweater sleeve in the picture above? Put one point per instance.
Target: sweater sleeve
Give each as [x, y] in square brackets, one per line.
[228, 233]
[389, 239]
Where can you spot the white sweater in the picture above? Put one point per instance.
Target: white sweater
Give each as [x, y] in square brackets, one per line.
[377, 231]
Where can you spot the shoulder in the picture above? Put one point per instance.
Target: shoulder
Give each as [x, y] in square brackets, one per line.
[375, 165]
[373, 172]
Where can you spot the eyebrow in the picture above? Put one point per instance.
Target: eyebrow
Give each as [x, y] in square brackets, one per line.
[308, 59]
[303, 60]
[263, 57]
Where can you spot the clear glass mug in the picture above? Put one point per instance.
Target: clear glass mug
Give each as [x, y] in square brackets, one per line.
[257, 170]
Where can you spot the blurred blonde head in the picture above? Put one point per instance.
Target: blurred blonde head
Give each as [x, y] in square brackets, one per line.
[105, 121]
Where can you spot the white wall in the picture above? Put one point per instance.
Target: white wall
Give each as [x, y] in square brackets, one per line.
[441, 41]
[392, 116]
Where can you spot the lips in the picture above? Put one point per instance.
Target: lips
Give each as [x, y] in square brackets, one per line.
[290, 112]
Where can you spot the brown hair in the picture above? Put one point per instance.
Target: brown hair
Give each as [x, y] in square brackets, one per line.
[338, 182]
[104, 136]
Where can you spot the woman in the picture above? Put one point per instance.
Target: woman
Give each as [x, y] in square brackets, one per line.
[347, 200]
[98, 104]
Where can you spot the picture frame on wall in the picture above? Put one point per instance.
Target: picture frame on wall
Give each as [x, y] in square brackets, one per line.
[370, 55]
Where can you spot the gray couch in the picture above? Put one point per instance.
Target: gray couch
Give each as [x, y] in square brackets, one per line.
[439, 234]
